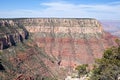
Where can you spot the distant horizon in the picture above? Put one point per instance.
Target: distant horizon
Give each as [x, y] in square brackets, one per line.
[98, 9]
[59, 18]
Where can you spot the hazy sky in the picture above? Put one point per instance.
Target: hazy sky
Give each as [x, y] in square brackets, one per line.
[99, 9]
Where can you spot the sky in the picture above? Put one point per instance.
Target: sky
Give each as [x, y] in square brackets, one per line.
[99, 9]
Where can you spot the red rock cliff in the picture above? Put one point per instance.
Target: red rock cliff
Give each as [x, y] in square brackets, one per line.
[70, 41]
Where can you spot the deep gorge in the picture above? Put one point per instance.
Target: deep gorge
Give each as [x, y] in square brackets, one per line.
[50, 47]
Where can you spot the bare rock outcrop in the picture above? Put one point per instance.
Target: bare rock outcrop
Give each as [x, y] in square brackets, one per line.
[64, 42]
[11, 33]
[70, 41]
[76, 40]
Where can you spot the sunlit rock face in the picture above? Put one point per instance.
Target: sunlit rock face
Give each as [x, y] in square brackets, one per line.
[70, 41]
[78, 39]
[56, 26]
[67, 41]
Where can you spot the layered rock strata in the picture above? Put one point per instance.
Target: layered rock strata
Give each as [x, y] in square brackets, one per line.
[67, 41]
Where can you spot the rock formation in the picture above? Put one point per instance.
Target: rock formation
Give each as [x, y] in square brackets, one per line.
[11, 33]
[67, 41]
[76, 40]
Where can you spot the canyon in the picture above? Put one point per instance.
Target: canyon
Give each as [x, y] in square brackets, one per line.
[50, 47]
[112, 26]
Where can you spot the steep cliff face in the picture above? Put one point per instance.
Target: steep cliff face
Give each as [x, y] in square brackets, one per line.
[70, 41]
[86, 26]
[20, 56]
[65, 43]
[78, 40]
[11, 33]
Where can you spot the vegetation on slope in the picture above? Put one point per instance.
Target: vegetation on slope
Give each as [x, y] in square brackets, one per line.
[108, 67]
[82, 70]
